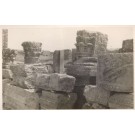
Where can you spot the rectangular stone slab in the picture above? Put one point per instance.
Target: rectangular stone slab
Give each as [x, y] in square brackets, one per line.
[14, 104]
[93, 94]
[55, 82]
[15, 96]
[121, 101]
[52, 100]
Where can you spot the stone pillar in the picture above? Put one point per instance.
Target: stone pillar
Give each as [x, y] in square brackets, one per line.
[90, 44]
[58, 61]
[32, 51]
[127, 46]
[5, 38]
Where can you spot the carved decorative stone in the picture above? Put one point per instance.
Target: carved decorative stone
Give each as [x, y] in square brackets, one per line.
[115, 72]
[32, 51]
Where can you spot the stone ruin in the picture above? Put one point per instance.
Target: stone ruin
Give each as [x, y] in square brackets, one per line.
[85, 78]
[34, 85]
[127, 46]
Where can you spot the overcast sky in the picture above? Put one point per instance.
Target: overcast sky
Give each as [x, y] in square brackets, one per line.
[64, 37]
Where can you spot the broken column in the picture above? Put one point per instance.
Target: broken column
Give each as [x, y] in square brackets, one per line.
[32, 51]
[84, 65]
[22, 87]
[57, 91]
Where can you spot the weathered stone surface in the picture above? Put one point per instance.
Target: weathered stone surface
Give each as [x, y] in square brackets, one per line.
[87, 106]
[58, 61]
[19, 98]
[24, 82]
[4, 83]
[51, 100]
[78, 70]
[127, 46]
[86, 60]
[90, 43]
[55, 82]
[61, 82]
[115, 72]
[32, 51]
[26, 70]
[121, 101]
[98, 106]
[42, 81]
[93, 94]
[6, 74]
[119, 80]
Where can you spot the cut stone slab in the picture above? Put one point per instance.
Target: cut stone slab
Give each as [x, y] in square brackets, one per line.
[55, 82]
[19, 98]
[29, 69]
[61, 82]
[52, 100]
[121, 101]
[93, 94]
[6, 74]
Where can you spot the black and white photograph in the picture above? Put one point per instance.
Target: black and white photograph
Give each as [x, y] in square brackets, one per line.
[67, 67]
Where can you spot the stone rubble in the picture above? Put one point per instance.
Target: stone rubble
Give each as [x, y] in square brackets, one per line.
[86, 78]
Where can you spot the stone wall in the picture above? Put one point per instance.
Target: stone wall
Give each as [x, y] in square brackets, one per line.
[114, 87]
[33, 85]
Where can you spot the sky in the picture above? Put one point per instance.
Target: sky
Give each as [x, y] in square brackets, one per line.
[64, 37]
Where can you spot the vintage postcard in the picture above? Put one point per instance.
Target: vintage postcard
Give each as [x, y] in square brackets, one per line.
[67, 67]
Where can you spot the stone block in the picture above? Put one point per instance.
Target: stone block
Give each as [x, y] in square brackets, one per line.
[111, 62]
[6, 74]
[115, 72]
[52, 100]
[55, 82]
[119, 80]
[19, 98]
[25, 70]
[87, 106]
[121, 101]
[61, 82]
[42, 81]
[24, 82]
[93, 94]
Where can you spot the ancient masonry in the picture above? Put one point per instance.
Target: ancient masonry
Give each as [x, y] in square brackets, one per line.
[85, 78]
[5, 38]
